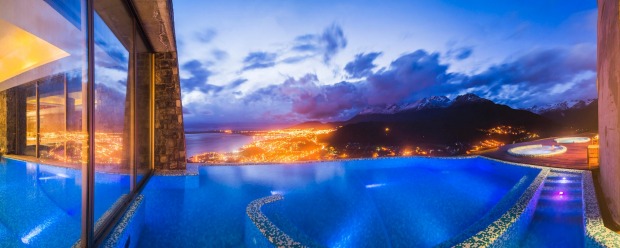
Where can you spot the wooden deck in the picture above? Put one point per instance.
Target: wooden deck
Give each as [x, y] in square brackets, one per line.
[574, 158]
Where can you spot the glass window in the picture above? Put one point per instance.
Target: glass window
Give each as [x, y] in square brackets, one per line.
[31, 120]
[49, 70]
[42, 53]
[143, 108]
[113, 93]
[52, 118]
[75, 136]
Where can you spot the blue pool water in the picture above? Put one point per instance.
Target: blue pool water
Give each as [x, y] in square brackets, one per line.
[411, 202]
[40, 205]
[417, 202]
[558, 219]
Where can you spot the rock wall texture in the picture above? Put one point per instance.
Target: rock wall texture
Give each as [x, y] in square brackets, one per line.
[169, 132]
[8, 121]
[608, 80]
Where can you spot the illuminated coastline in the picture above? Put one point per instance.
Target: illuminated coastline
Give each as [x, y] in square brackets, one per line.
[310, 144]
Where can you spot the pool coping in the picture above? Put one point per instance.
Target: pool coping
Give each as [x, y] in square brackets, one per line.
[498, 232]
[269, 230]
[121, 231]
[502, 216]
[596, 234]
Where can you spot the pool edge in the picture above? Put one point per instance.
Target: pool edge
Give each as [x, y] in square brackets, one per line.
[596, 234]
[511, 224]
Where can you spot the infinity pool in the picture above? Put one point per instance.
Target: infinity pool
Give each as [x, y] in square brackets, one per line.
[414, 202]
[40, 205]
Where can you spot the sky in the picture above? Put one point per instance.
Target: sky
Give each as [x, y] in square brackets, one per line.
[277, 61]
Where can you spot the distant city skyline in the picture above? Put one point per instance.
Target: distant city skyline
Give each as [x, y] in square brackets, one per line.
[294, 61]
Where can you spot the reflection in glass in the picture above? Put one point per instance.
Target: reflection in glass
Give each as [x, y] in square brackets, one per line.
[113, 28]
[44, 43]
[143, 108]
[31, 120]
[52, 117]
[76, 138]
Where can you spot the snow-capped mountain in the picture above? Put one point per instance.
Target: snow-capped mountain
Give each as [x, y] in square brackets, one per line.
[469, 98]
[425, 103]
[565, 105]
[432, 102]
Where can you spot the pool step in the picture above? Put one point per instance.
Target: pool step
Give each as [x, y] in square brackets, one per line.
[559, 204]
[567, 177]
[560, 201]
[564, 184]
[570, 191]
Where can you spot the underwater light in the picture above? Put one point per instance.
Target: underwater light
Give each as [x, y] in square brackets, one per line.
[375, 185]
[277, 192]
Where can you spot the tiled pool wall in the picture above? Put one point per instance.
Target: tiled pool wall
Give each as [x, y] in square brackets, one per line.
[597, 235]
[510, 227]
[127, 231]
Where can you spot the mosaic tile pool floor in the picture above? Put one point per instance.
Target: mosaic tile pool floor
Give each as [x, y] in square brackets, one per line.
[411, 201]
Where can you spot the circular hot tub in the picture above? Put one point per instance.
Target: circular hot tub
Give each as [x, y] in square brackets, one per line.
[571, 140]
[536, 151]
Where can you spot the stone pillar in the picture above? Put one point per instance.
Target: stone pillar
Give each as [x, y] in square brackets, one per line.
[8, 121]
[169, 131]
[608, 80]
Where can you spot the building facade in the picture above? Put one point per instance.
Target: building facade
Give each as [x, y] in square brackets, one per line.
[608, 82]
[92, 85]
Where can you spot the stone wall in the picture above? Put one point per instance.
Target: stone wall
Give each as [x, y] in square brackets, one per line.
[3, 122]
[608, 80]
[8, 120]
[169, 132]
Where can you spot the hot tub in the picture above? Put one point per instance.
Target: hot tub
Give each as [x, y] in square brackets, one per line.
[571, 140]
[536, 150]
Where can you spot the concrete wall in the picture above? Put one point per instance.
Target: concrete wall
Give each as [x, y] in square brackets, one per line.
[608, 80]
[169, 132]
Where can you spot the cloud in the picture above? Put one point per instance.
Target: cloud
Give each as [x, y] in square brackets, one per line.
[307, 98]
[538, 72]
[461, 53]
[219, 55]
[538, 77]
[257, 60]
[407, 78]
[362, 65]
[206, 36]
[296, 59]
[236, 83]
[326, 44]
[198, 78]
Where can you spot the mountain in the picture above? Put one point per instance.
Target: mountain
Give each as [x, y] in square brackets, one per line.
[578, 115]
[469, 98]
[425, 103]
[561, 106]
[464, 121]
[315, 125]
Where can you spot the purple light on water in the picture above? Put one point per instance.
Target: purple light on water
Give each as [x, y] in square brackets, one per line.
[561, 192]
